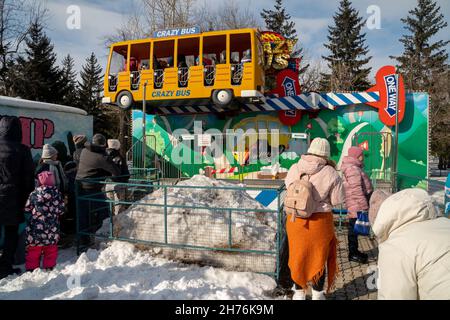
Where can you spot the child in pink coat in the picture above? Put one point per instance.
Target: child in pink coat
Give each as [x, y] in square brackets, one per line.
[357, 187]
[46, 205]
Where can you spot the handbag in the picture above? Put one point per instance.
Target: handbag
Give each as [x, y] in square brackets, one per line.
[362, 224]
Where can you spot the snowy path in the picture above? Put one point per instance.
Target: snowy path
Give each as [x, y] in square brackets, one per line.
[121, 272]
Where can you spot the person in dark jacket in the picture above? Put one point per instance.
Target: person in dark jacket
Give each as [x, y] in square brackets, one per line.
[79, 141]
[113, 152]
[94, 164]
[16, 184]
[120, 190]
[63, 155]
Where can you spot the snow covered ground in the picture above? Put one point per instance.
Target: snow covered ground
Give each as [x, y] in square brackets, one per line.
[120, 271]
[211, 227]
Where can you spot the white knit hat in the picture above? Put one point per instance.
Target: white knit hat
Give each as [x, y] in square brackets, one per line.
[48, 152]
[320, 147]
[113, 144]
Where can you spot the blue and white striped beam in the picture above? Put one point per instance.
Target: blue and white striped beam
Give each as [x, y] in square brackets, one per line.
[305, 101]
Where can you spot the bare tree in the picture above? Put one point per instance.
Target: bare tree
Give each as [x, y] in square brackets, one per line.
[165, 14]
[228, 15]
[152, 15]
[310, 79]
[16, 17]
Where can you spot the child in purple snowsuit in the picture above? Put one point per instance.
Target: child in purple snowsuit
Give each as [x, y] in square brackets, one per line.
[46, 205]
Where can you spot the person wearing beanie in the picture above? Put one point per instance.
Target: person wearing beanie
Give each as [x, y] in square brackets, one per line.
[358, 188]
[414, 248]
[94, 164]
[313, 243]
[49, 162]
[63, 156]
[79, 141]
[16, 183]
[113, 152]
[46, 205]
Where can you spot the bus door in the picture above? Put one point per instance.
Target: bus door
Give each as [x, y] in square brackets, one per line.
[119, 76]
[216, 69]
[164, 69]
[188, 60]
[241, 58]
[139, 65]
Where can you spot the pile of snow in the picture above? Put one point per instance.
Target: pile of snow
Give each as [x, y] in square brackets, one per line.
[121, 272]
[206, 227]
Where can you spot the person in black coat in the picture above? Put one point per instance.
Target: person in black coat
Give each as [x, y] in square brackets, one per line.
[16, 184]
[94, 164]
[120, 190]
[79, 141]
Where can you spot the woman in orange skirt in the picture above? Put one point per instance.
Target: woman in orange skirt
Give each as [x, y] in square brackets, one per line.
[312, 241]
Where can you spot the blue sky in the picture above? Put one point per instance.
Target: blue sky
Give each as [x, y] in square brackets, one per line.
[101, 17]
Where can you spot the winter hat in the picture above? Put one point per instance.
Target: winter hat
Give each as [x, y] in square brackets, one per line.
[377, 198]
[355, 152]
[99, 140]
[46, 178]
[48, 152]
[320, 147]
[79, 140]
[114, 144]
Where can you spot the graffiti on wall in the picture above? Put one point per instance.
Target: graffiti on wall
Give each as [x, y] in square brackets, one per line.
[343, 127]
[40, 127]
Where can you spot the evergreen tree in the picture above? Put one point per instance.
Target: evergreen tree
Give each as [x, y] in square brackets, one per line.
[106, 119]
[90, 87]
[348, 53]
[424, 67]
[37, 76]
[421, 58]
[279, 21]
[69, 90]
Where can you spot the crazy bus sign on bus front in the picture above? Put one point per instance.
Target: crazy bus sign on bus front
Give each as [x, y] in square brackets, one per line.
[176, 32]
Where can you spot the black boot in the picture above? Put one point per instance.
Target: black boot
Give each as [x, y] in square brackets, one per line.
[358, 257]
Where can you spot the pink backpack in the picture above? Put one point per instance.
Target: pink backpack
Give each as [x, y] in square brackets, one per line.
[299, 201]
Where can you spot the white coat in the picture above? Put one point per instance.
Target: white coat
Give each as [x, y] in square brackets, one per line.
[414, 248]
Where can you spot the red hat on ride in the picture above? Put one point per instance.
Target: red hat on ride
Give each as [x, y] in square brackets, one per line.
[355, 152]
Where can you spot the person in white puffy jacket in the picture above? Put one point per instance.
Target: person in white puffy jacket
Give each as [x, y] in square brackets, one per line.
[414, 248]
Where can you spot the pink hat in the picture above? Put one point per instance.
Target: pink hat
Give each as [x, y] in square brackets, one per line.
[355, 152]
[46, 178]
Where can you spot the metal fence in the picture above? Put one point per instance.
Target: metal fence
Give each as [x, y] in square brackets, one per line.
[170, 221]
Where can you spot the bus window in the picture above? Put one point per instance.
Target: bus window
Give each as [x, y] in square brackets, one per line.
[240, 48]
[117, 64]
[163, 57]
[214, 49]
[139, 60]
[188, 53]
[240, 53]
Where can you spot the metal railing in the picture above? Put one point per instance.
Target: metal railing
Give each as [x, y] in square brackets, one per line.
[112, 82]
[158, 78]
[183, 77]
[135, 79]
[232, 236]
[237, 72]
[209, 73]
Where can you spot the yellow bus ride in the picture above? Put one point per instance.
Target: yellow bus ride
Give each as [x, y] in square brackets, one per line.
[223, 68]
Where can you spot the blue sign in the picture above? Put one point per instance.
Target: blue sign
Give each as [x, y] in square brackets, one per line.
[176, 32]
[392, 95]
[289, 87]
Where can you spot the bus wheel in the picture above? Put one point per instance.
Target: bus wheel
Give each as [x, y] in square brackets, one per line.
[124, 100]
[222, 98]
